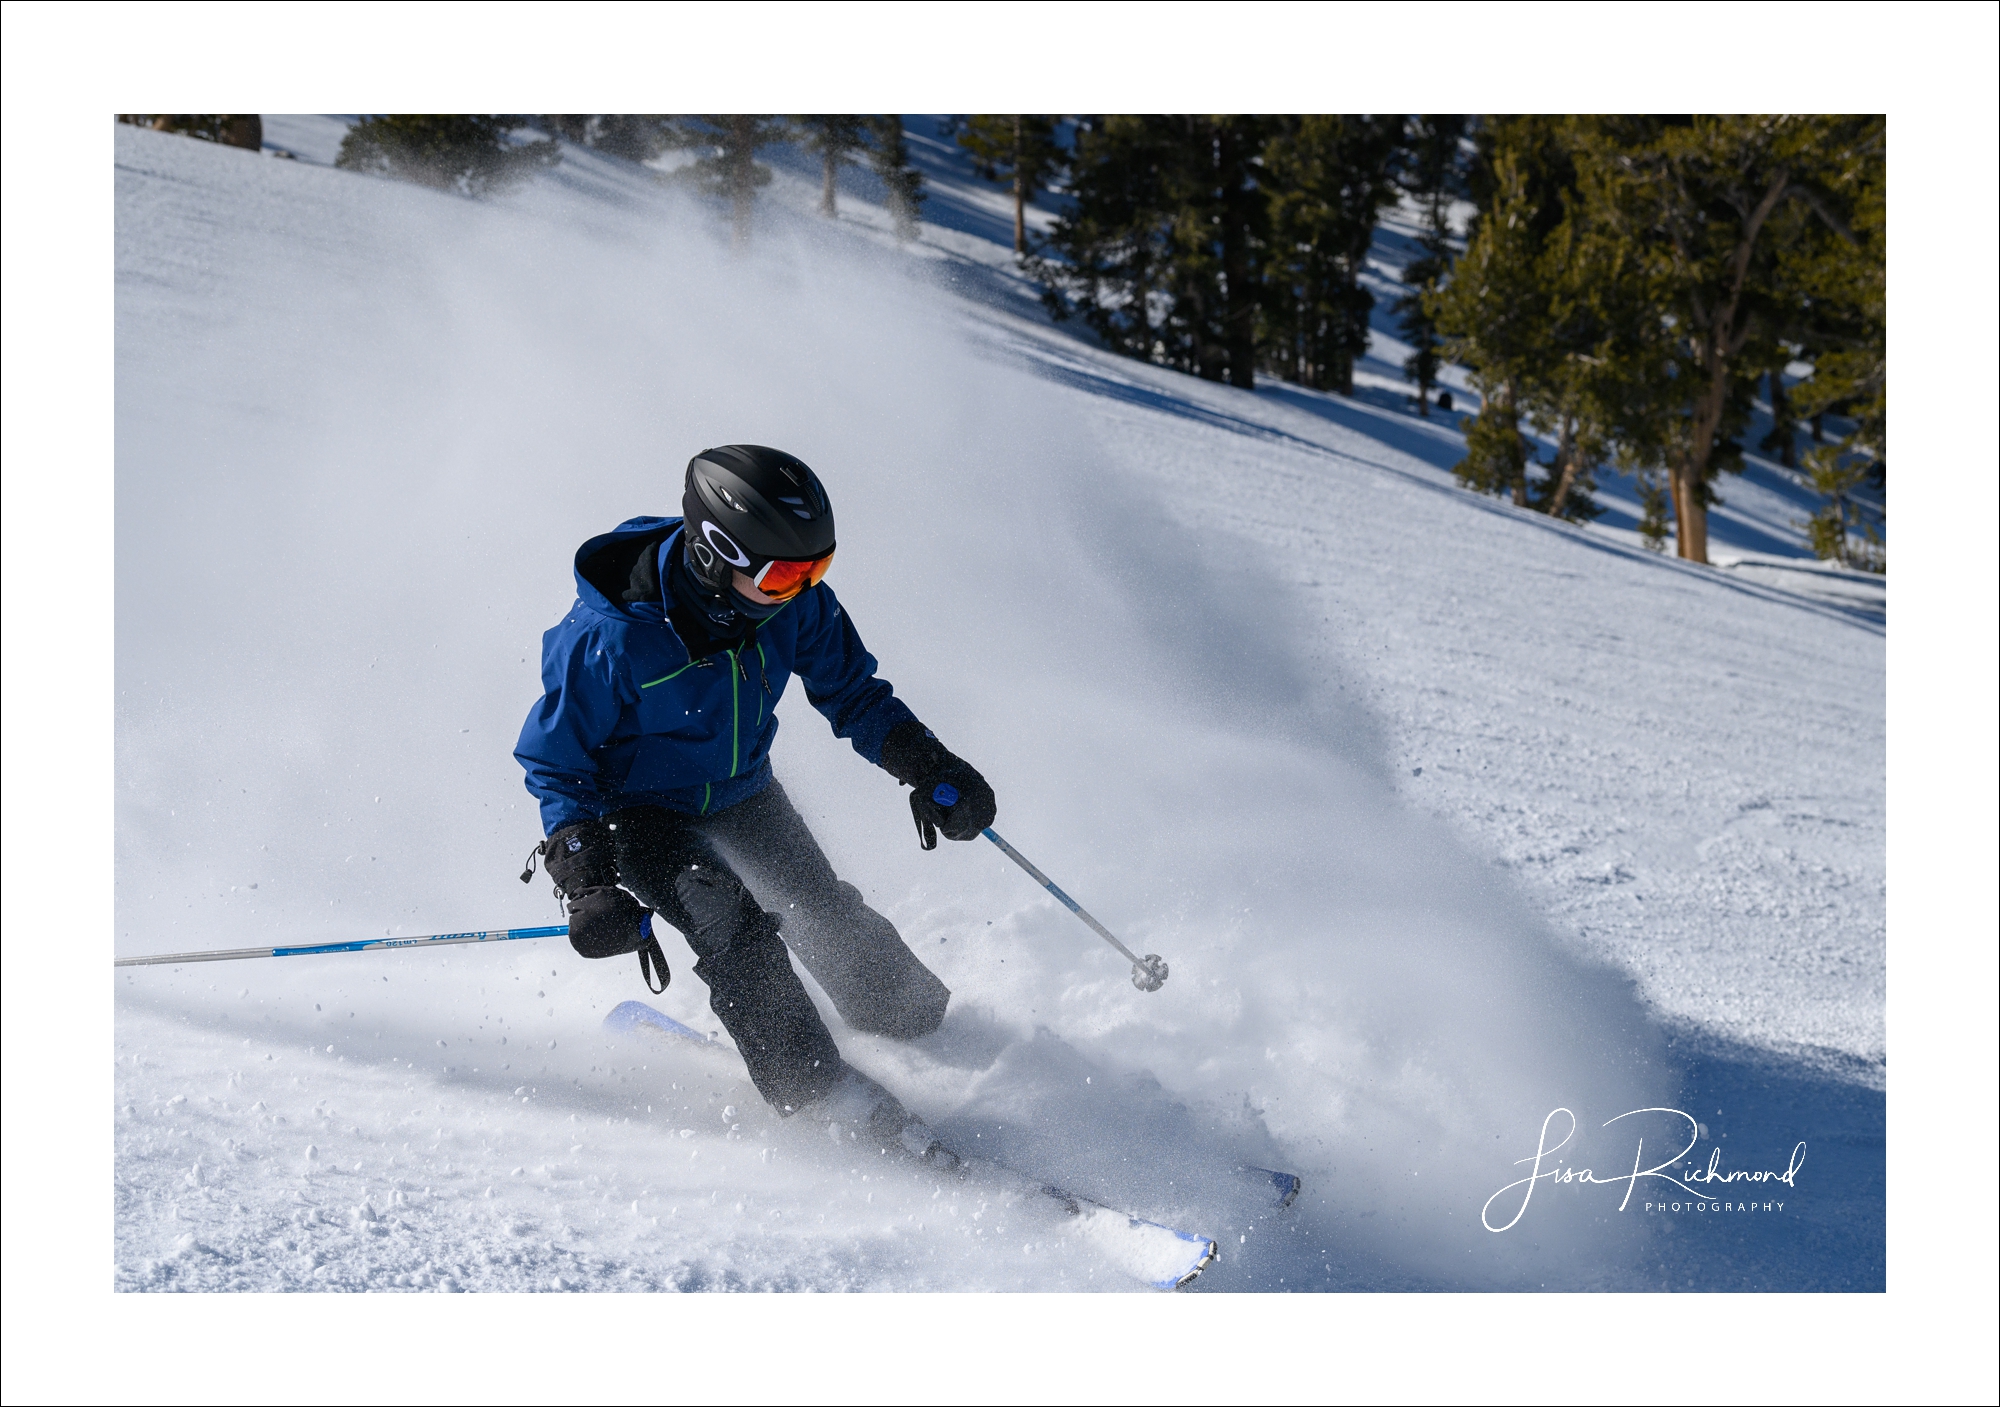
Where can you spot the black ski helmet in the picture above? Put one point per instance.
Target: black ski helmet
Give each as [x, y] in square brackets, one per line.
[746, 505]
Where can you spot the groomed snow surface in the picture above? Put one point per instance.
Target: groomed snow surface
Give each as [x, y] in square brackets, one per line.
[1447, 817]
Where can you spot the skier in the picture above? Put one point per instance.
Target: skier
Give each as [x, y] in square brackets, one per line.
[649, 752]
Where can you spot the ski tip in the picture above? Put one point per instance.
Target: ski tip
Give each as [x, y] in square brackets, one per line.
[1192, 1273]
[627, 1017]
[1284, 1186]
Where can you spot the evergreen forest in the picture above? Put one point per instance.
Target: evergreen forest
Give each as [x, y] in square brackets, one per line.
[1623, 287]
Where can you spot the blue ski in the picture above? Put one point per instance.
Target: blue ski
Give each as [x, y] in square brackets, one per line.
[1281, 1187]
[1161, 1256]
[626, 1018]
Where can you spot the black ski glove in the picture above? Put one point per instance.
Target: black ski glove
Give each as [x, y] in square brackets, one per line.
[949, 794]
[604, 921]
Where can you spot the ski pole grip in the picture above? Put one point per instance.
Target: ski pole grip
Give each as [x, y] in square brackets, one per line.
[945, 794]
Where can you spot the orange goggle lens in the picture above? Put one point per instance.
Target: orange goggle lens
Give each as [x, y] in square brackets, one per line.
[783, 580]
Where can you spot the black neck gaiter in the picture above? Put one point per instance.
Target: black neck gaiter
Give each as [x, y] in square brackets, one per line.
[723, 614]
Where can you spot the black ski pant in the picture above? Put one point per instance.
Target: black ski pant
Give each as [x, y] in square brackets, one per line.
[743, 884]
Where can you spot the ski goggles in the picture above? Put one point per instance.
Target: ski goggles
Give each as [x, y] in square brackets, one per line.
[781, 581]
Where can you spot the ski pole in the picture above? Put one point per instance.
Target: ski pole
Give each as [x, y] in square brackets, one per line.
[1148, 972]
[434, 940]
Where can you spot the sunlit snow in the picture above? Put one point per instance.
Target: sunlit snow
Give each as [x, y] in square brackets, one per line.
[1446, 816]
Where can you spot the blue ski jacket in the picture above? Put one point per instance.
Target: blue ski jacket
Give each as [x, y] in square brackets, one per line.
[630, 716]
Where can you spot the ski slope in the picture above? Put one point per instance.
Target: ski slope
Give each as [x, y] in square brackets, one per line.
[1445, 816]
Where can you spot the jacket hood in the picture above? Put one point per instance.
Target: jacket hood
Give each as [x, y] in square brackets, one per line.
[604, 567]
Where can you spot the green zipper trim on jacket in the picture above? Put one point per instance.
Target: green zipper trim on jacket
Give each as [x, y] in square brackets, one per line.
[692, 663]
[736, 676]
[676, 674]
[735, 712]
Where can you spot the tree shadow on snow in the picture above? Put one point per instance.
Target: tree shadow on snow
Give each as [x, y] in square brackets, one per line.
[1832, 1233]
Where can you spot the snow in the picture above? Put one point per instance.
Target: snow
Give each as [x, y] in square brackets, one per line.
[1446, 816]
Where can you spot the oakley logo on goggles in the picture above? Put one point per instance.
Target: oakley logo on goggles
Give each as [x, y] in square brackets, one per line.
[781, 581]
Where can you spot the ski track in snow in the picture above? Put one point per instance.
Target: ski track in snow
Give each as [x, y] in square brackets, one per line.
[1445, 815]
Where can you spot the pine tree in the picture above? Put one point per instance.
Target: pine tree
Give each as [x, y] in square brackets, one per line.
[1835, 477]
[1191, 185]
[1019, 148]
[1693, 200]
[1842, 280]
[1224, 226]
[1494, 313]
[1600, 356]
[469, 153]
[1222, 244]
[1433, 145]
[1330, 178]
[1558, 320]
[1423, 274]
[834, 139]
[727, 164]
[889, 155]
[1106, 257]
[1496, 453]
